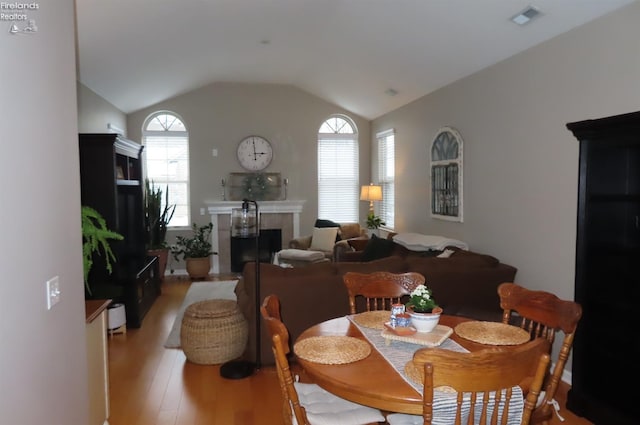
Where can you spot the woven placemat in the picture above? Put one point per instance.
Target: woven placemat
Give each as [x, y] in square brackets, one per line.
[328, 349]
[492, 333]
[372, 319]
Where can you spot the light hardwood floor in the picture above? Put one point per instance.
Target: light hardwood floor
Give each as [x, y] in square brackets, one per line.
[153, 385]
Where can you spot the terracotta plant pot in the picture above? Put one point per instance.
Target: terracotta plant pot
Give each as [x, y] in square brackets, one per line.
[198, 268]
[163, 256]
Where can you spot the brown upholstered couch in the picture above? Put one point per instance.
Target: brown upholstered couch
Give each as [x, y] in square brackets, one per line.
[463, 284]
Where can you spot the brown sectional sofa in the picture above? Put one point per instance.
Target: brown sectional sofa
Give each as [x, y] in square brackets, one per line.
[463, 284]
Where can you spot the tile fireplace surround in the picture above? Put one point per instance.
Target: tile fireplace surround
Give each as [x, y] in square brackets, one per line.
[284, 215]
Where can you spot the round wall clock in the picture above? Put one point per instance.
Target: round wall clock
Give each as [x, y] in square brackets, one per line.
[255, 153]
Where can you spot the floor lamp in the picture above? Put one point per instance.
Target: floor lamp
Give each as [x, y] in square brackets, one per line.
[245, 223]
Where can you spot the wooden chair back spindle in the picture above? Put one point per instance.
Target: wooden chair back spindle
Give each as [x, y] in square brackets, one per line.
[270, 311]
[380, 289]
[542, 314]
[476, 375]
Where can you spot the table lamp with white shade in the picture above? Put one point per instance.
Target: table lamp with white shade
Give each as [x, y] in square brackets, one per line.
[371, 192]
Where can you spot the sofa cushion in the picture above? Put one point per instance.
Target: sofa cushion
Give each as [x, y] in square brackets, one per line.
[321, 222]
[358, 244]
[269, 271]
[323, 238]
[391, 264]
[377, 248]
[475, 259]
[428, 265]
[349, 230]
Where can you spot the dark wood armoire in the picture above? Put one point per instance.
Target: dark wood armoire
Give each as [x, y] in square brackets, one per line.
[606, 350]
[111, 182]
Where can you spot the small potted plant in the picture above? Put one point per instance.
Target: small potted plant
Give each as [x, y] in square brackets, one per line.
[423, 309]
[374, 221]
[158, 214]
[195, 250]
[96, 238]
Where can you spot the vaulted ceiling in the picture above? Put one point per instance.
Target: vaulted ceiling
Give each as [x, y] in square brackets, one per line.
[353, 53]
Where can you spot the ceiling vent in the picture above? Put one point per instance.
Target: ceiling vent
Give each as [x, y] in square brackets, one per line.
[526, 15]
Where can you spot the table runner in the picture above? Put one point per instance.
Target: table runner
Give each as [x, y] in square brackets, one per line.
[398, 353]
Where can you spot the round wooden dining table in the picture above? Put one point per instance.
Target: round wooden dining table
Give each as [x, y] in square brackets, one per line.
[371, 381]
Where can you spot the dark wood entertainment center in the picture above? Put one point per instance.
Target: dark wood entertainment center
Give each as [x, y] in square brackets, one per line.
[112, 183]
[606, 348]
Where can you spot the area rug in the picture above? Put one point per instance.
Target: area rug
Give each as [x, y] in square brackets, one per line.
[200, 291]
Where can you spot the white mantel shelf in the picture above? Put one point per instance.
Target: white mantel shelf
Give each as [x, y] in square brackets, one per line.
[225, 207]
[218, 208]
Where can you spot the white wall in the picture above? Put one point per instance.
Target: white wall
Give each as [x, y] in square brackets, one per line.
[521, 163]
[43, 356]
[95, 113]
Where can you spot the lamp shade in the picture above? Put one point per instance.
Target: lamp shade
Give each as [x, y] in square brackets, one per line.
[371, 193]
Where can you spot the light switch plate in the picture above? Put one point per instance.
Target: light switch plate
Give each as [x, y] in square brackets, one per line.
[53, 292]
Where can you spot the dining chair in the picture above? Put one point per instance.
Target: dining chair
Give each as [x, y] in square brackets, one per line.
[271, 304]
[379, 289]
[482, 380]
[307, 403]
[542, 314]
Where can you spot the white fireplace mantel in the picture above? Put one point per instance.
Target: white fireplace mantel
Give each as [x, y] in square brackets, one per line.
[225, 207]
[220, 235]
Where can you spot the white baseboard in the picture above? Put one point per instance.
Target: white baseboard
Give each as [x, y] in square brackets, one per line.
[177, 272]
[183, 272]
[567, 377]
[566, 374]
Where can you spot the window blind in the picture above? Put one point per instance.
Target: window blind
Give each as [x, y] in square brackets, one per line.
[338, 171]
[167, 165]
[386, 176]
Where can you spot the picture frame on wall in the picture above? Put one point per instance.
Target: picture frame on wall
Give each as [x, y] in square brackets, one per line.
[255, 186]
[447, 175]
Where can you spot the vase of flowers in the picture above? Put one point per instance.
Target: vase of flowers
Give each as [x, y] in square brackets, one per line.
[423, 309]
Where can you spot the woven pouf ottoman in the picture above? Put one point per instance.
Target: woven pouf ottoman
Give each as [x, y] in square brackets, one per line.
[213, 332]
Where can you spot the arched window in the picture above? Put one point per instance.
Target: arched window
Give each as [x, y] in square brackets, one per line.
[338, 170]
[446, 175]
[166, 142]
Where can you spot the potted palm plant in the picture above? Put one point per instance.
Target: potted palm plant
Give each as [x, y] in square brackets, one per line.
[158, 214]
[195, 250]
[96, 238]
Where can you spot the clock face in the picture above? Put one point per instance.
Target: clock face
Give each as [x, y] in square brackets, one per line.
[255, 153]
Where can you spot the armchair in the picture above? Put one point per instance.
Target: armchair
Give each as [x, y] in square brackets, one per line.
[327, 235]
